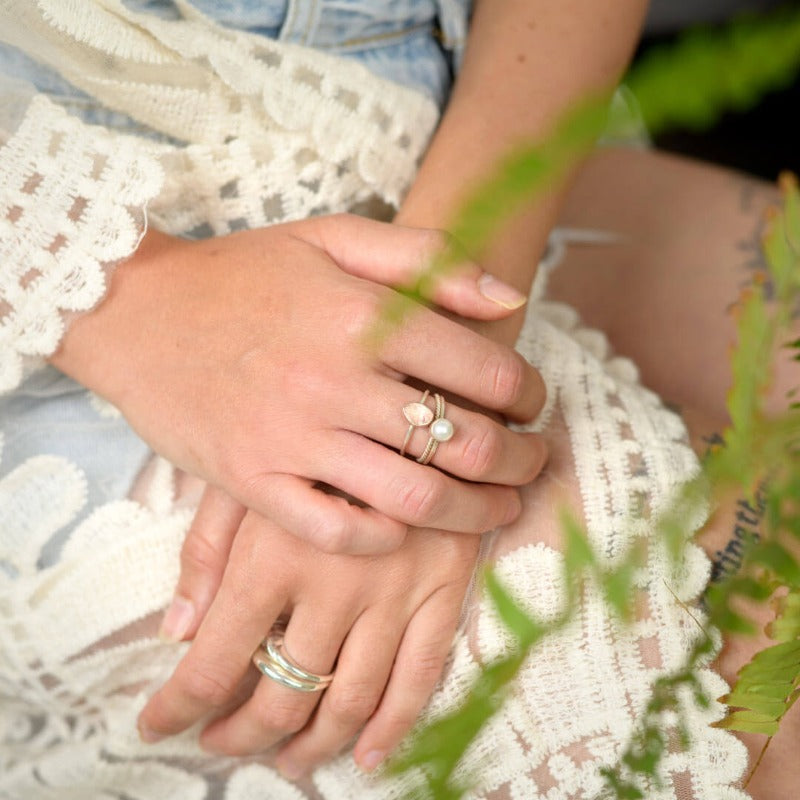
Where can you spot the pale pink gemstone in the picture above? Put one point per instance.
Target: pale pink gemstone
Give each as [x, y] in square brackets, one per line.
[417, 414]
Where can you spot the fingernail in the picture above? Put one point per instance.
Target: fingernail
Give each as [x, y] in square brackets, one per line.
[177, 620]
[289, 769]
[499, 292]
[147, 735]
[372, 759]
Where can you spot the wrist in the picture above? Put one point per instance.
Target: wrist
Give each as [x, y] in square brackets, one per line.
[99, 347]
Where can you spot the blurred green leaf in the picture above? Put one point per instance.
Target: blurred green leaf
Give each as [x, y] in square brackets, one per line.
[526, 630]
[777, 558]
[687, 85]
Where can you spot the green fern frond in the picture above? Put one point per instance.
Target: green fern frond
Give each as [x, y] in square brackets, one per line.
[766, 687]
[786, 625]
[440, 745]
[690, 85]
[686, 85]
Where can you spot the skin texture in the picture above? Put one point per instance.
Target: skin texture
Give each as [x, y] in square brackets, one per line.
[247, 342]
[244, 376]
[656, 186]
[389, 618]
[265, 379]
[526, 63]
[510, 49]
[691, 244]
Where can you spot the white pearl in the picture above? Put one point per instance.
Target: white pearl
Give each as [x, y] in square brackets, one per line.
[442, 430]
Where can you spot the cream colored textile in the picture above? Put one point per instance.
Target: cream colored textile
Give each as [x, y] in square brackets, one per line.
[78, 651]
[266, 132]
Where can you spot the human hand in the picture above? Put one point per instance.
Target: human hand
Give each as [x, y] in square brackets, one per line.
[245, 360]
[388, 619]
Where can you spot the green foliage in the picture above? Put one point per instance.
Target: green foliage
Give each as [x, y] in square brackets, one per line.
[690, 84]
[760, 455]
[767, 686]
[438, 747]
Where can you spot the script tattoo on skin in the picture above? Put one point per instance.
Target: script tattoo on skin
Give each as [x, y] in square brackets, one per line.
[749, 513]
[727, 562]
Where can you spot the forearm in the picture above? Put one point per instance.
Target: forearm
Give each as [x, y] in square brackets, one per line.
[527, 61]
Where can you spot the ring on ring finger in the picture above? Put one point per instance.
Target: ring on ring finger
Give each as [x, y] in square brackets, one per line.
[273, 661]
[420, 415]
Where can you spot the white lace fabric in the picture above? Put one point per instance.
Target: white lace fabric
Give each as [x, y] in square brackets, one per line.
[78, 646]
[61, 229]
[268, 131]
[79, 651]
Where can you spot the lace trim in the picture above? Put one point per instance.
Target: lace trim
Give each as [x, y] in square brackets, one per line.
[78, 651]
[72, 205]
[202, 83]
[273, 132]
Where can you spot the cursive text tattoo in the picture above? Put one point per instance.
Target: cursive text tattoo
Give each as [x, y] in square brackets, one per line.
[728, 560]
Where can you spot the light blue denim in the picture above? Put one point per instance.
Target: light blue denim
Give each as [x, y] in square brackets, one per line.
[413, 42]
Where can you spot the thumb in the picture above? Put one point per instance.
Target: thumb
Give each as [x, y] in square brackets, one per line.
[405, 258]
[470, 292]
[204, 556]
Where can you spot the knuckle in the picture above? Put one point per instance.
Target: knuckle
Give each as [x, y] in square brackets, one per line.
[198, 554]
[503, 377]
[330, 533]
[203, 686]
[481, 452]
[426, 667]
[359, 311]
[420, 503]
[432, 242]
[353, 703]
[284, 716]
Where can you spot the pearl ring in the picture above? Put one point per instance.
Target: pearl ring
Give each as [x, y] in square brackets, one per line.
[420, 415]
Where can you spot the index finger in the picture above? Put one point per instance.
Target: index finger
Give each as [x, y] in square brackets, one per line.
[208, 677]
[443, 353]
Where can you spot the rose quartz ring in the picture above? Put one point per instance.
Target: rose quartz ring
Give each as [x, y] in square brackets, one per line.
[420, 415]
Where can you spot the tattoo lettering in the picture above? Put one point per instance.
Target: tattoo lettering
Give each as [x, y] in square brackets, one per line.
[728, 561]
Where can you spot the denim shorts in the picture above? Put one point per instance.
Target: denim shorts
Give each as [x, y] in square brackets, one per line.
[416, 43]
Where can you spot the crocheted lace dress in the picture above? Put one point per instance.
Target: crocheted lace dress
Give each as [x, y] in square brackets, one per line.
[78, 651]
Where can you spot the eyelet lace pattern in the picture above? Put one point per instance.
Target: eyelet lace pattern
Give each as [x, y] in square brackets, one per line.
[302, 134]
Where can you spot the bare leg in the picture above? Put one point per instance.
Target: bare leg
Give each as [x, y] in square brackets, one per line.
[691, 243]
[663, 297]
[778, 774]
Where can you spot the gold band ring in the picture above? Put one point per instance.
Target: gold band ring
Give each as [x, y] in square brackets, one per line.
[420, 415]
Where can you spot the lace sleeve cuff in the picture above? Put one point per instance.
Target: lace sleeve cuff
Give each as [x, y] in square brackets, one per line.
[72, 206]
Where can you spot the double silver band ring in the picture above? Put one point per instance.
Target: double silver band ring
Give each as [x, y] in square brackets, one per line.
[272, 660]
[420, 415]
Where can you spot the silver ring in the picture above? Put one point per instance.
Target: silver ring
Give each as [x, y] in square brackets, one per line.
[420, 415]
[272, 660]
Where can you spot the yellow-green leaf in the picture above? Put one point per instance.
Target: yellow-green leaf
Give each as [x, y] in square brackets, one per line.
[748, 722]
